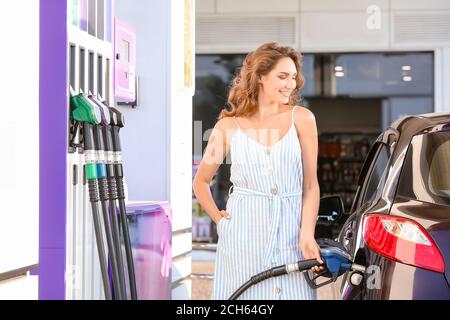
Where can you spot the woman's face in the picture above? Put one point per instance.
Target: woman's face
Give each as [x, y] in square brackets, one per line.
[278, 84]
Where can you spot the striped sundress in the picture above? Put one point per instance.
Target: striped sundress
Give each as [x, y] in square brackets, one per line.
[265, 217]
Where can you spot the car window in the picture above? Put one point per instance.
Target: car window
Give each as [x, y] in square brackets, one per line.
[426, 171]
[378, 175]
[365, 170]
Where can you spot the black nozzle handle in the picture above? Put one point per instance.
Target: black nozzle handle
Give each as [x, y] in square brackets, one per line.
[107, 132]
[117, 118]
[99, 138]
[88, 136]
[274, 272]
[304, 265]
[117, 147]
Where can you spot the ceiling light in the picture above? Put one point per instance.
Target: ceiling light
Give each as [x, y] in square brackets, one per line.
[407, 78]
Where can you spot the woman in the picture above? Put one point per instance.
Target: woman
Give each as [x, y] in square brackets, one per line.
[271, 214]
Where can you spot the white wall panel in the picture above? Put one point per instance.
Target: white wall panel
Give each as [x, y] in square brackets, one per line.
[181, 160]
[180, 123]
[19, 135]
[205, 6]
[442, 80]
[423, 30]
[181, 243]
[341, 5]
[420, 4]
[227, 6]
[342, 31]
[181, 267]
[182, 291]
[243, 33]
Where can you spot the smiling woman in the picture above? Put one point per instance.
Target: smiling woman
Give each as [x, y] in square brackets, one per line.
[271, 215]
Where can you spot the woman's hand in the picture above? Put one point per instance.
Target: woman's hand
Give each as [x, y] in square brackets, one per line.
[221, 214]
[311, 250]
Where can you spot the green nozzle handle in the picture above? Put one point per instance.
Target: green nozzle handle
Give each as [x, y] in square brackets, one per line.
[83, 110]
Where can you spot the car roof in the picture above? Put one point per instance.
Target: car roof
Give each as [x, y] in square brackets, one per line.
[402, 131]
[416, 123]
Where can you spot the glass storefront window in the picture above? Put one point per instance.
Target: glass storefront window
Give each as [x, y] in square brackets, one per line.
[378, 74]
[312, 83]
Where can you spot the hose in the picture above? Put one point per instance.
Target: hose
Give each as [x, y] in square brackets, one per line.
[275, 272]
[115, 226]
[126, 233]
[93, 196]
[118, 290]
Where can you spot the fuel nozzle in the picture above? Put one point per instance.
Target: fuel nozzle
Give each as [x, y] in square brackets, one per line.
[104, 110]
[337, 261]
[84, 110]
[117, 118]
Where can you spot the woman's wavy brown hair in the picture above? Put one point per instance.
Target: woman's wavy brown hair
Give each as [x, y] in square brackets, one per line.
[243, 96]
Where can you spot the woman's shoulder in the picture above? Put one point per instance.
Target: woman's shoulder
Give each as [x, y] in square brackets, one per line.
[302, 115]
[304, 120]
[225, 123]
[226, 126]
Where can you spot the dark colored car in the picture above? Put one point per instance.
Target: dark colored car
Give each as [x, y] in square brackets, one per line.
[399, 223]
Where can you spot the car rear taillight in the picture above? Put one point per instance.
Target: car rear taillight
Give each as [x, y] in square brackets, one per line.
[402, 240]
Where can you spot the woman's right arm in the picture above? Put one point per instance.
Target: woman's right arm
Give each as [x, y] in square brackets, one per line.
[215, 152]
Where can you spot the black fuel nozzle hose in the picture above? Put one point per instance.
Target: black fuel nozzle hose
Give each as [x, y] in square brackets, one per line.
[91, 176]
[115, 225]
[275, 272]
[99, 238]
[113, 197]
[126, 234]
[118, 122]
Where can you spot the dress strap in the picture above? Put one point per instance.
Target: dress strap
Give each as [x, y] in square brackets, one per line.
[237, 124]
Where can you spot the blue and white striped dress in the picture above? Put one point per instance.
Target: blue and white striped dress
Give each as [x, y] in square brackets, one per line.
[265, 218]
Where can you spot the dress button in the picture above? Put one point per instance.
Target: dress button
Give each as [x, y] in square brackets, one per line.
[274, 191]
[268, 151]
[269, 172]
[277, 290]
[278, 251]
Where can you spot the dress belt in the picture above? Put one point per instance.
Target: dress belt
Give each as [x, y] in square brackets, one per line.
[270, 254]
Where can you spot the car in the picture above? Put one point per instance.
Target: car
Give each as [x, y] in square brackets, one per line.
[399, 223]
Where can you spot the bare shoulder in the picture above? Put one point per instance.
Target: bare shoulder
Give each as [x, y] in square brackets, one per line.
[303, 118]
[225, 128]
[225, 124]
[304, 114]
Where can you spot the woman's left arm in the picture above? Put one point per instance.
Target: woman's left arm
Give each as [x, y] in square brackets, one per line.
[307, 133]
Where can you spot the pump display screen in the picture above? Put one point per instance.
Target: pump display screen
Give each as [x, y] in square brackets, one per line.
[126, 50]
